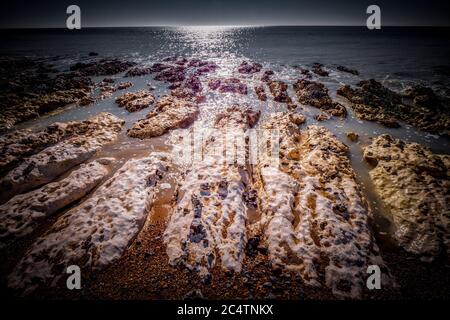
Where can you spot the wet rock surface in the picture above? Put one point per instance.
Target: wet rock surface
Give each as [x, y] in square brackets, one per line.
[313, 211]
[172, 74]
[107, 90]
[374, 102]
[232, 85]
[316, 94]
[29, 94]
[414, 184]
[249, 67]
[352, 136]
[169, 113]
[138, 71]
[22, 214]
[136, 101]
[317, 68]
[261, 93]
[102, 67]
[279, 91]
[348, 70]
[208, 224]
[52, 161]
[97, 232]
[267, 76]
[18, 144]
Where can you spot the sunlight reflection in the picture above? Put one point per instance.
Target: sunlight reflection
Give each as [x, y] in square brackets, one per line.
[210, 39]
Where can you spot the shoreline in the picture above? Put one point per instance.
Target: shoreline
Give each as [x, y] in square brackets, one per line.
[144, 271]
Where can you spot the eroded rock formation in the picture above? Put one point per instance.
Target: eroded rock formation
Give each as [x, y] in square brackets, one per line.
[103, 67]
[208, 223]
[138, 71]
[169, 113]
[279, 91]
[314, 216]
[22, 214]
[32, 96]
[414, 185]
[249, 67]
[97, 232]
[317, 68]
[348, 70]
[136, 101]
[316, 94]
[373, 102]
[232, 85]
[260, 93]
[48, 164]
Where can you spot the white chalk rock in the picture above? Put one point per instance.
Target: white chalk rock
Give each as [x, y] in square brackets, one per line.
[98, 231]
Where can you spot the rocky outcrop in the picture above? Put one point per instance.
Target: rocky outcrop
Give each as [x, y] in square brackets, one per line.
[260, 93]
[249, 67]
[206, 67]
[317, 68]
[194, 84]
[414, 185]
[22, 214]
[430, 112]
[48, 164]
[306, 73]
[208, 224]
[158, 67]
[322, 116]
[107, 90]
[373, 102]
[352, 136]
[314, 217]
[279, 91]
[136, 101]
[138, 72]
[98, 231]
[316, 94]
[232, 85]
[237, 117]
[172, 74]
[348, 70]
[32, 96]
[267, 76]
[103, 67]
[19, 144]
[187, 94]
[422, 96]
[169, 113]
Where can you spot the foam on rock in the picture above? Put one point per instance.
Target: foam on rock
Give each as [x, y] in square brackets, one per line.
[209, 222]
[48, 164]
[314, 216]
[22, 214]
[414, 185]
[98, 231]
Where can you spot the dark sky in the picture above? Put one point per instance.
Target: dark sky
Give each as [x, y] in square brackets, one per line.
[45, 13]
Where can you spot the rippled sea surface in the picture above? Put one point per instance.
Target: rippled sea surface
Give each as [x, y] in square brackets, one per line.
[398, 57]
